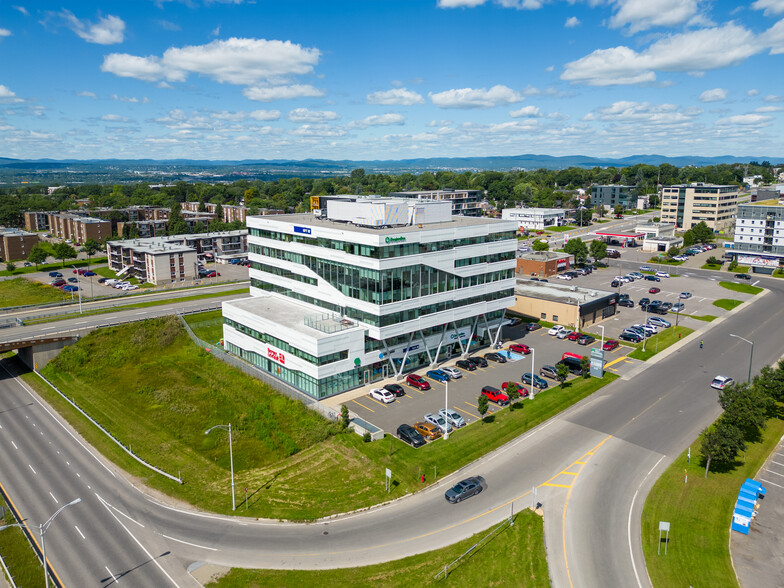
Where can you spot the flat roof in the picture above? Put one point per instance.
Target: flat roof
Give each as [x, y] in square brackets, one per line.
[771, 202]
[559, 293]
[543, 255]
[606, 234]
[310, 220]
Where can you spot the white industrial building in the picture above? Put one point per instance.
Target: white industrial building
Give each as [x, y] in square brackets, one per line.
[536, 219]
[369, 290]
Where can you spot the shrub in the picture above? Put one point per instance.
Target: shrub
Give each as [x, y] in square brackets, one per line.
[366, 437]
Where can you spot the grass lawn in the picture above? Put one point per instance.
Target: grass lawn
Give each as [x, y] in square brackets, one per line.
[706, 317]
[743, 288]
[22, 563]
[700, 512]
[711, 266]
[206, 325]
[740, 269]
[562, 229]
[777, 273]
[514, 552]
[156, 391]
[665, 261]
[20, 292]
[48, 267]
[727, 303]
[659, 342]
[107, 272]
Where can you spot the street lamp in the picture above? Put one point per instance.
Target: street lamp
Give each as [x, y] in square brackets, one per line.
[446, 412]
[751, 355]
[79, 286]
[231, 459]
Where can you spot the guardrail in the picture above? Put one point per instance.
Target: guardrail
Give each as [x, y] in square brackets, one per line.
[478, 545]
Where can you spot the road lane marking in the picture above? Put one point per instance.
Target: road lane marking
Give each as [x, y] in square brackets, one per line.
[78, 531]
[629, 521]
[31, 467]
[186, 543]
[362, 405]
[14, 444]
[115, 578]
[53, 498]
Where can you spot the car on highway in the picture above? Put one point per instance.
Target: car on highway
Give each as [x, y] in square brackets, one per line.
[535, 381]
[495, 395]
[659, 322]
[739, 276]
[519, 348]
[464, 364]
[465, 489]
[533, 326]
[417, 381]
[654, 290]
[627, 302]
[661, 274]
[556, 329]
[382, 395]
[438, 375]
[684, 295]
[653, 278]
[410, 435]
[428, 430]
[631, 337]
[396, 389]
[453, 373]
[720, 382]
[610, 344]
[585, 339]
[493, 356]
[678, 307]
[521, 389]
[453, 417]
[478, 361]
[438, 421]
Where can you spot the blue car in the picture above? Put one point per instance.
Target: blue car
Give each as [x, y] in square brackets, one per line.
[535, 381]
[438, 375]
[55, 275]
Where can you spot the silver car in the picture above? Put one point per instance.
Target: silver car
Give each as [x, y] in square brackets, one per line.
[452, 417]
[452, 372]
[438, 421]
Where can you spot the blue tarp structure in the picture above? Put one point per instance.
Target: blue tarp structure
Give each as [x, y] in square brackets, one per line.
[748, 494]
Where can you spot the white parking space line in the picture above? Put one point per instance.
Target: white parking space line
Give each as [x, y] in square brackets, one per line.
[774, 473]
[777, 463]
[53, 498]
[31, 467]
[771, 483]
[116, 579]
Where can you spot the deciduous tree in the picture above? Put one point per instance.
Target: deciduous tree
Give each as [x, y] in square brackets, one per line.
[37, 255]
[578, 248]
[63, 251]
[721, 442]
[482, 405]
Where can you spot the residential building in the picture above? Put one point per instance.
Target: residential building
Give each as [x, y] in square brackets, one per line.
[688, 204]
[612, 195]
[572, 306]
[759, 236]
[231, 212]
[79, 228]
[542, 264]
[16, 244]
[37, 220]
[153, 260]
[143, 228]
[464, 202]
[658, 237]
[369, 289]
[536, 219]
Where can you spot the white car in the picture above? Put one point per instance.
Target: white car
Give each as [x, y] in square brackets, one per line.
[719, 382]
[646, 268]
[652, 329]
[557, 329]
[452, 372]
[563, 334]
[636, 275]
[659, 322]
[439, 422]
[662, 275]
[452, 417]
[130, 287]
[564, 277]
[110, 282]
[382, 395]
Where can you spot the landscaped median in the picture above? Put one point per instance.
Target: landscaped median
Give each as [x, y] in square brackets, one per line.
[659, 342]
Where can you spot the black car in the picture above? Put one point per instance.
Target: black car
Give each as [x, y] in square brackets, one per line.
[666, 305]
[102, 280]
[626, 302]
[615, 284]
[644, 301]
[653, 278]
[586, 339]
[534, 326]
[465, 364]
[497, 357]
[410, 435]
[396, 389]
[630, 337]
[465, 489]
[743, 276]
[658, 309]
[478, 361]
[515, 321]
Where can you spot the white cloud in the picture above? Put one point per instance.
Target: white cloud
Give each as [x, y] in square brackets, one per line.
[400, 96]
[525, 111]
[318, 131]
[303, 115]
[773, 98]
[774, 38]
[21, 9]
[625, 112]
[115, 118]
[460, 3]
[769, 6]
[572, 22]
[641, 15]
[379, 120]
[86, 94]
[264, 114]
[282, 93]
[238, 61]
[549, 68]
[753, 92]
[107, 31]
[167, 25]
[216, 31]
[519, 4]
[5, 33]
[745, 120]
[131, 99]
[7, 95]
[714, 95]
[693, 51]
[769, 109]
[476, 98]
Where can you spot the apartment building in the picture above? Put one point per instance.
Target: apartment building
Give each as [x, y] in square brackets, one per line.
[79, 228]
[153, 260]
[759, 236]
[685, 205]
[231, 212]
[37, 221]
[16, 244]
[369, 289]
[464, 202]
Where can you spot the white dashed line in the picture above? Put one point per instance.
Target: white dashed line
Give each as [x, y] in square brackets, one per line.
[14, 444]
[31, 467]
[53, 498]
[78, 531]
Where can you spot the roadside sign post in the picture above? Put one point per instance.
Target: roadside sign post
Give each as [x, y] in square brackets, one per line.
[664, 527]
[388, 480]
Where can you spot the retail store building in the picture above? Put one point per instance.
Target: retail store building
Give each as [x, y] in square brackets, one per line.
[571, 306]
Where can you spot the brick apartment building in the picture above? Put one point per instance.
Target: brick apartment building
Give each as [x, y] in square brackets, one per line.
[16, 244]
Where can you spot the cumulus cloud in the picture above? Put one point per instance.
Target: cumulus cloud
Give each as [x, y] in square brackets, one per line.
[525, 112]
[7, 95]
[693, 51]
[773, 98]
[714, 95]
[572, 22]
[109, 30]
[400, 96]
[476, 97]
[519, 4]
[21, 9]
[115, 118]
[625, 111]
[770, 7]
[379, 120]
[167, 25]
[86, 94]
[131, 99]
[264, 114]
[745, 120]
[753, 92]
[273, 93]
[5, 33]
[640, 15]
[303, 115]
[769, 109]
[460, 3]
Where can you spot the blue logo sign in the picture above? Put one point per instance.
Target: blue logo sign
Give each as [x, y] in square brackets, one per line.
[303, 230]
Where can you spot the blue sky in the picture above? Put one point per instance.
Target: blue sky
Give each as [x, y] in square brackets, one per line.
[385, 79]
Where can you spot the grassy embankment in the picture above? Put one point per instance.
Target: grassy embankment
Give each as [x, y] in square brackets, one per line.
[49, 267]
[21, 292]
[157, 392]
[700, 511]
[727, 303]
[19, 557]
[515, 556]
[742, 288]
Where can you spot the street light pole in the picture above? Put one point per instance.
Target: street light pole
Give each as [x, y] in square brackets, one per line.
[602, 328]
[751, 355]
[231, 459]
[446, 412]
[43, 527]
[533, 373]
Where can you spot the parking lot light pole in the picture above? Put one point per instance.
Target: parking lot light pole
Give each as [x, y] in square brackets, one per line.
[446, 412]
[533, 373]
[231, 459]
[78, 285]
[751, 355]
[602, 328]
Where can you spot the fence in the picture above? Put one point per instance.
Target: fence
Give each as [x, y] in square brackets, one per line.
[478, 545]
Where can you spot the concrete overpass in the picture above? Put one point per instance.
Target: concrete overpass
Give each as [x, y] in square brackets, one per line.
[36, 352]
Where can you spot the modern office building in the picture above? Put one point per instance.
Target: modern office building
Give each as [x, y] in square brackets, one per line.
[464, 202]
[16, 244]
[688, 204]
[612, 195]
[369, 289]
[759, 236]
[536, 219]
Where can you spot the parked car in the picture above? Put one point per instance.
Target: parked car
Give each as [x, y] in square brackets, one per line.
[465, 364]
[55, 275]
[73, 280]
[478, 361]
[212, 274]
[547, 371]
[739, 276]
[129, 287]
[57, 283]
[438, 421]
[534, 326]
[89, 274]
[453, 373]
[644, 301]
[572, 363]
[495, 395]
[678, 307]
[465, 489]
[637, 275]
[438, 375]
[615, 284]
[556, 329]
[654, 290]
[685, 295]
[631, 337]
[410, 435]
[573, 336]
[661, 274]
[653, 278]
[610, 344]
[720, 382]
[666, 305]
[659, 322]
[396, 389]
[564, 277]
[626, 302]
[454, 418]
[646, 268]
[417, 381]
[102, 280]
[563, 334]
[513, 322]
[382, 395]
[497, 357]
[519, 348]
[652, 329]
[586, 339]
[428, 430]
[521, 389]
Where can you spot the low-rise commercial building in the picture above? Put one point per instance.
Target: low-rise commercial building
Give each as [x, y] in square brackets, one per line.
[542, 264]
[686, 205]
[658, 237]
[16, 244]
[571, 306]
[536, 219]
[759, 236]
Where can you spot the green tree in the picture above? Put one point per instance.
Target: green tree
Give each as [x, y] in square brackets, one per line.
[598, 249]
[176, 224]
[721, 442]
[202, 207]
[344, 417]
[37, 255]
[90, 248]
[585, 367]
[578, 248]
[219, 212]
[482, 406]
[770, 381]
[618, 210]
[600, 211]
[63, 251]
[673, 251]
[688, 238]
[10, 266]
[561, 373]
[512, 391]
[746, 407]
[540, 245]
[702, 232]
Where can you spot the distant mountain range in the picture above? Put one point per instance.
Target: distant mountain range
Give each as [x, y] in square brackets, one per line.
[146, 170]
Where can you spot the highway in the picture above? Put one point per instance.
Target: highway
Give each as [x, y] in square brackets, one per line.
[592, 467]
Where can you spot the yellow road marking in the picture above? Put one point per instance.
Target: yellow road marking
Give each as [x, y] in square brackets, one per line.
[474, 405]
[458, 408]
[570, 473]
[614, 361]
[376, 401]
[548, 484]
[363, 406]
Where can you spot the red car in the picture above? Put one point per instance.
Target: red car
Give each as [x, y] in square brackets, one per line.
[520, 348]
[573, 336]
[80, 272]
[417, 381]
[521, 389]
[610, 344]
[654, 290]
[495, 395]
